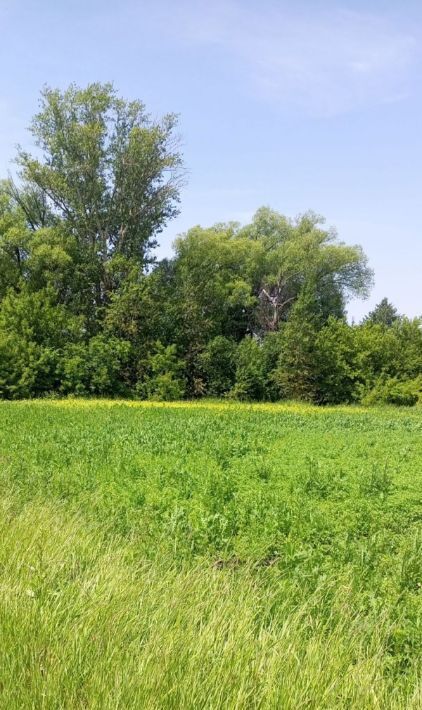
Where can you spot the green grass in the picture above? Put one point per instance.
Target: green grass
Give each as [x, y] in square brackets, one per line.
[209, 556]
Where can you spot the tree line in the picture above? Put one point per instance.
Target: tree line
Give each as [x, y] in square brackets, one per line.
[253, 311]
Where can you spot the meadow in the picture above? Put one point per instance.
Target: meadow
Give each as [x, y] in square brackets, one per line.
[209, 555]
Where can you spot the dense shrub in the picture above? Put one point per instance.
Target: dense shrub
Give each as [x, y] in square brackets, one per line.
[32, 328]
[217, 365]
[294, 375]
[94, 367]
[394, 391]
[394, 351]
[251, 378]
[27, 369]
[162, 377]
[335, 363]
[38, 318]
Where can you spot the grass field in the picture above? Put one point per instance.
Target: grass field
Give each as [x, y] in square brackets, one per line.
[209, 556]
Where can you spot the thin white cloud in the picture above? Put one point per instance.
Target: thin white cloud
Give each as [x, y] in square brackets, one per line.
[323, 62]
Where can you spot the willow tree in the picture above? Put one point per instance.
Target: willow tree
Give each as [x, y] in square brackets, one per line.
[235, 280]
[298, 255]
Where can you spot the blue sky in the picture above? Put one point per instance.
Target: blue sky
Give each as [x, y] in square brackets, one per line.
[297, 105]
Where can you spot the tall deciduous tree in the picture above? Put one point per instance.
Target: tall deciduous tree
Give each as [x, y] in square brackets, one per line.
[297, 253]
[237, 280]
[107, 174]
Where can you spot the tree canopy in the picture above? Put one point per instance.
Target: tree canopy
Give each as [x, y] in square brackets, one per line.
[107, 179]
[250, 311]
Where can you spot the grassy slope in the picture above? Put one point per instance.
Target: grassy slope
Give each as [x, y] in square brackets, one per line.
[209, 556]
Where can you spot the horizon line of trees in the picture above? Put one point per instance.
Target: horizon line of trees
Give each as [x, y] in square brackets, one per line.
[251, 312]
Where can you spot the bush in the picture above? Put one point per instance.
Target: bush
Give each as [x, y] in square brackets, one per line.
[27, 369]
[32, 329]
[94, 367]
[162, 379]
[217, 365]
[335, 363]
[251, 379]
[37, 318]
[294, 375]
[389, 353]
[392, 391]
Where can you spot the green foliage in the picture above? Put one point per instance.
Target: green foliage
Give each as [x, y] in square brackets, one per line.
[251, 378]
[394, 391]
[337, 373]
[236, 278]
[217, 365]
[42, 350]
[300, 256]
[162, 375]
[32, 329]
[14, 236]
[143, 311]
[215, 271]
[254, 311]
[390, 352]
[38, 318]
[109, 179]
[27, 369]
[341, 363]
[95, 149]
[384, 314]
[94, 367]
[294, 375]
